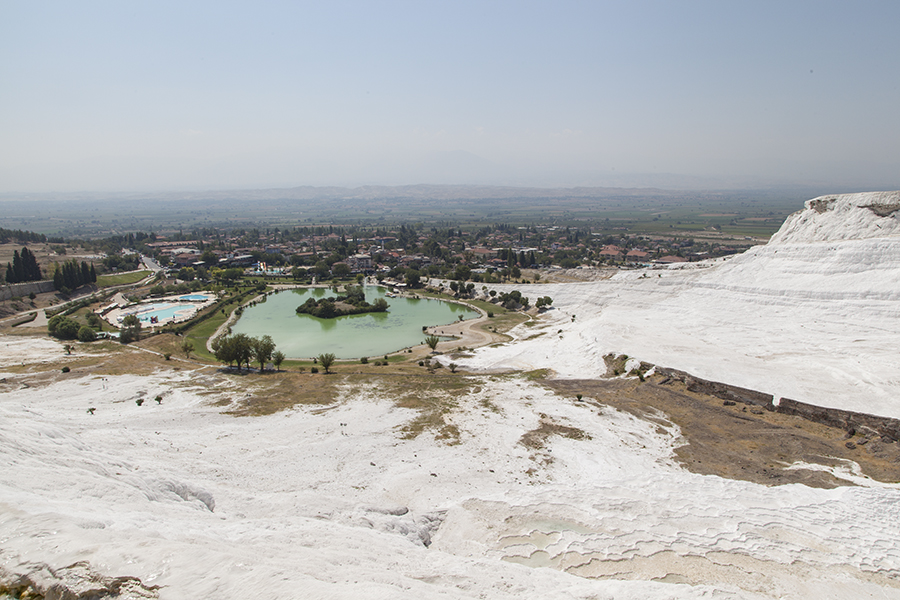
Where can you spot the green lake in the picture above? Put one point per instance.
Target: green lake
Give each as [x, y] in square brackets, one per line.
[350, 336]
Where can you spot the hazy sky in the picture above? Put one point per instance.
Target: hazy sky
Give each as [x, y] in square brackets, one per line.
[169, 95]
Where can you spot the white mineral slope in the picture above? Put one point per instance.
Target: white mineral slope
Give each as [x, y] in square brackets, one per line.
[814, 315]
[334, 502]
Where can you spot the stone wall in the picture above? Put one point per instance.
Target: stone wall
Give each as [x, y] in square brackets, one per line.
[844, 419]
[718, 389]
[24, 289]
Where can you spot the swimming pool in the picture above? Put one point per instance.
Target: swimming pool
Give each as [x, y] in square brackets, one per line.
[161, 312]
[195, 297]
[172, 309]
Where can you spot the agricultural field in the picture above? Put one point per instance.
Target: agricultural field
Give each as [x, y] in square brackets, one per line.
[743, 213]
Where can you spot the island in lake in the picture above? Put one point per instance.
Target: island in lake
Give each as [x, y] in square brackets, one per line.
[353, 302]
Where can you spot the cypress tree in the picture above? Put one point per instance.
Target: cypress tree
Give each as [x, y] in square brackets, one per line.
[59, 281]
[30, 267]
[85, 273]
[10, 274]
[70, 274]
[93, 274]
[18, 269]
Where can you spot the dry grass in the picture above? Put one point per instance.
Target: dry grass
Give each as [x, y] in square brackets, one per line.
[739, 442]
[536, 439]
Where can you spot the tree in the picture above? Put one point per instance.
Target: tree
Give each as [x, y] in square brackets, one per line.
[243, 347]
[209, 257]
[340, 269]
[236, 348]
[322, 270]
[85, 273]
[58, 281]
[432, 341]
[326, 360]
[86, 334]
[187, 347]
[277, 359]
[63, 327]
[262, 350]
[131, 329]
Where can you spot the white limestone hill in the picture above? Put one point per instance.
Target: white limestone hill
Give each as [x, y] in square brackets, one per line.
[843, 217]
[814, 315]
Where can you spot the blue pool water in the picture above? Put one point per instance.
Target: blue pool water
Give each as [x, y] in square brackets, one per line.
[164, 311]
[199, 297]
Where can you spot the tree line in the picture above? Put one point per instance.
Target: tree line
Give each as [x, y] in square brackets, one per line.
[242, 349]
[23, 237]
[24, 267]
[71, 275]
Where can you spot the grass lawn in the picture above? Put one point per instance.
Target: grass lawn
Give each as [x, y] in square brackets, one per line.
[121, 278]
[198, 334]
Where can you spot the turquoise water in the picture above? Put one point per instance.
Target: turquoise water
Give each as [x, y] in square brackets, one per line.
[350, 336]
[163, 311]
[198, 297]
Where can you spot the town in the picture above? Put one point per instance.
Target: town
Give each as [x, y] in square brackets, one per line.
[490, 254]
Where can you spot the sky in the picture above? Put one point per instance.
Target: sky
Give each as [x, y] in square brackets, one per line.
[104, 96]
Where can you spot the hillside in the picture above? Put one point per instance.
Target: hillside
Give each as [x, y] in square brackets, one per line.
[813, 315]
[131, 476]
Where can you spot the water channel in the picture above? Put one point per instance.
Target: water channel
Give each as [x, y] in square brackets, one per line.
[350, 336]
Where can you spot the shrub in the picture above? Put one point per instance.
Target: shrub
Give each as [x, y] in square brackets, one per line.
[167, 356]
[65, 369]
[326, 360]
[421, 363]
[158, 399]
[139, 401]
[490, 314]
[314, 370]
[432, 341]
[63, 327]
[86, 334]
[452, 367]
[364, 360]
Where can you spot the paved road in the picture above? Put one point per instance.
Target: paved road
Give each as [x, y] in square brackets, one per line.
[150, 263]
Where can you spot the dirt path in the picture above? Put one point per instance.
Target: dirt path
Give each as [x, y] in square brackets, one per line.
[231, 320]
[469, 333]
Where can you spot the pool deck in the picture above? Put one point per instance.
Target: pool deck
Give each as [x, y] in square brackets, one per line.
[185, 309]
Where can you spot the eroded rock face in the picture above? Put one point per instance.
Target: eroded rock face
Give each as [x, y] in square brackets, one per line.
[843, 217]
[77, 581]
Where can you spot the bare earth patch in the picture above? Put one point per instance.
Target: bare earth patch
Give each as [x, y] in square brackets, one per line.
[740, 441]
